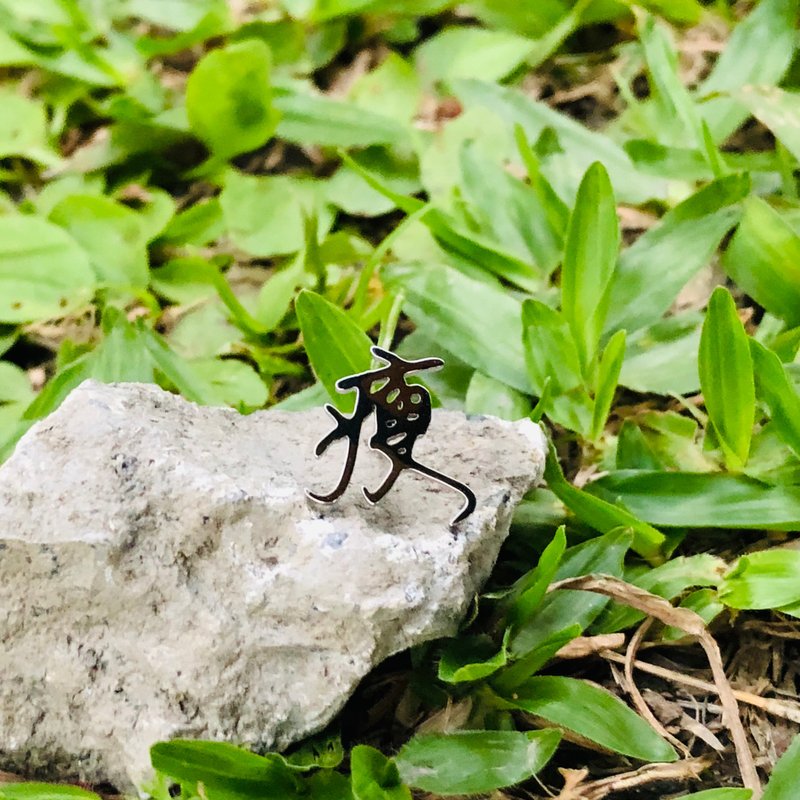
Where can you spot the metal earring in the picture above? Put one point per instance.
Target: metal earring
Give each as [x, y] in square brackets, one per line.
[403, 414]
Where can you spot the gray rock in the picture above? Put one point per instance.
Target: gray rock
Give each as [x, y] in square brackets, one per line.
[163, 574]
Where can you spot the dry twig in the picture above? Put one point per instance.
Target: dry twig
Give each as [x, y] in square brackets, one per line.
[636, 696]
[582, 646]
[771, 705]
[576, 789]
[693, 624]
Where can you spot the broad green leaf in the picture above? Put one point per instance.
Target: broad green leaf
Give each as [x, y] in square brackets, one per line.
[177, 15]
[128, 352]
[264, 214]
[567, 611]
[470, 52]
[580, 146]
[44, 274]
[199, 224]
[474, 762]
[719, 794]
[555, 211]
[392, 89]
[512, 213]
[470, 658]
[559, 634]
[44, 791]
[222, 766]
[475, 250]
[457, 312]
[112, 236]
[783, 782]
[440, 151]
[348, 190]
[211, 19]
[122, 355]
[287, 40]
[607, 377]
[325, 784]
[678, 118]
[705, 603]
[239, 314]
[667, 581]
[674, 442]
[229, 99]
[655, 268]
[599, 514]
[232, 382]
[678, 163]
[184, 280]
[764, 579]
[405, 203]
[109, 66]
[375, 777]
[764, 259]
[681, 163]
[309, 119]
[726, 378]
[633, 449]
[527, 593]
[486, 395]
[336, 346]
[175, 369]
[701, 499]
[41, 22]
[16, 394]
[55, 390]
[15, 387]
[312, 397]
[550, 350]
[275, 296]
[132, 136]
[57, 189]
[594, 713]
[775, 387]
[758, 52]
[663, 358]
[771, 462]
[552, 358]
[12, 52]
[478, 251]
[321, 10]
[785, 343]
[546, 14]
[23, 129]
[546, 45]
[533, 21]
[777, 109]
[205, 331]
[590, 255]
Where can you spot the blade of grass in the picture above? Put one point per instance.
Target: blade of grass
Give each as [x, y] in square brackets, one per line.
[726, 378]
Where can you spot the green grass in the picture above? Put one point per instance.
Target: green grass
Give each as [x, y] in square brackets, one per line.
[235, 200]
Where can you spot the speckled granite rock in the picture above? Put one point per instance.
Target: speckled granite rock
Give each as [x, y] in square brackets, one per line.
[162, 573]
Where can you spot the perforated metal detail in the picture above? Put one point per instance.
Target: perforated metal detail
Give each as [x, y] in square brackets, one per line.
[403, 414]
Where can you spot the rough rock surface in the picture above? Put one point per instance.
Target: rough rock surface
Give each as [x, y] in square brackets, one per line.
[163, 574]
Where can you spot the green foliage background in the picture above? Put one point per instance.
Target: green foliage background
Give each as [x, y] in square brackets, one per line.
[234, 200]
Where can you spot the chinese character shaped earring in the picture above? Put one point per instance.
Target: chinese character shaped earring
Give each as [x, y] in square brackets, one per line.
[402, 412]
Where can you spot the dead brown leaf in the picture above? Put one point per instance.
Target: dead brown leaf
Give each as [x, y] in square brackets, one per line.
[583, 646]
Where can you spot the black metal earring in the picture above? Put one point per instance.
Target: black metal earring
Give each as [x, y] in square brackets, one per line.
[403, 414]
